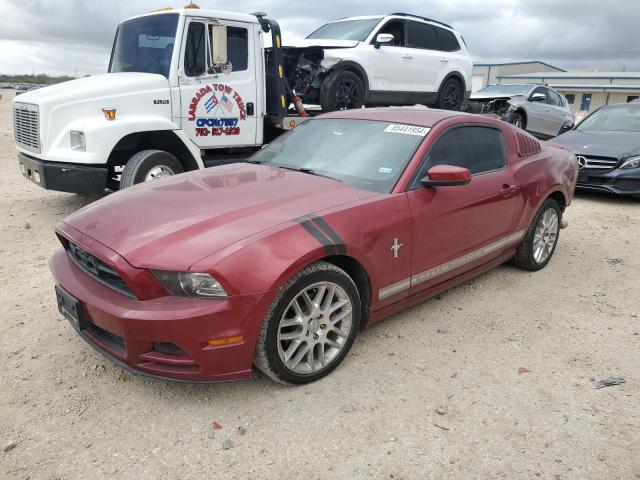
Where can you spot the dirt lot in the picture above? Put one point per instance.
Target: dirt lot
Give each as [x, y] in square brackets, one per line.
[72, 414]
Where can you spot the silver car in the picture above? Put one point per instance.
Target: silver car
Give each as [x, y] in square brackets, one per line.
[538, 109]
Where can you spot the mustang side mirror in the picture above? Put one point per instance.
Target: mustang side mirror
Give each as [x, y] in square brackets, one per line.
[446, 176]
[539, 97]
[383, 39]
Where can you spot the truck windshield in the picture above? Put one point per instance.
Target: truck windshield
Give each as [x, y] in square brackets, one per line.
[346, 30]
[145, 44]
[366, 154]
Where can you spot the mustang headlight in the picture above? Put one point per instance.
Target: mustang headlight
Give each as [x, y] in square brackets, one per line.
[187, 284]
[633, 162]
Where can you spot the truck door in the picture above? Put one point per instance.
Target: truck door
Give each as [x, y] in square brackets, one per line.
[218, 109]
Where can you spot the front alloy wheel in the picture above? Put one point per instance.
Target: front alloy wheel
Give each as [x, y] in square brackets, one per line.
[315, 327]
[310, 326]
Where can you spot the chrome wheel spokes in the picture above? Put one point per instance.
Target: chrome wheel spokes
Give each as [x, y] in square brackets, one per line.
[160, 171]
[546, 235]
[314, 328]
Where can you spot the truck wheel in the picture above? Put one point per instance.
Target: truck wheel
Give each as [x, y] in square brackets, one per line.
[149, 165]
[451, 95]
[541, 238]
[342, 90]
[517, 120]
[310, 326]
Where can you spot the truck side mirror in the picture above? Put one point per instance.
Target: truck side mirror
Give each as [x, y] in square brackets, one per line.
[219, 44]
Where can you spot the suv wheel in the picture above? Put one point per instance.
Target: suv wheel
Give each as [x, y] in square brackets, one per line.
[342, 90]
[149, 165]
[451, 95]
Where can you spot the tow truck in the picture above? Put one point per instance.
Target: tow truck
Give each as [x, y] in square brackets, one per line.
[186, 89]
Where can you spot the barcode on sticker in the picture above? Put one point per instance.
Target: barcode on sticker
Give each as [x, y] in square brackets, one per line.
[407, 129]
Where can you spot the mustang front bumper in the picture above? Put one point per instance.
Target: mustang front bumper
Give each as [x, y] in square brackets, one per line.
[166, 337]
[619, 181]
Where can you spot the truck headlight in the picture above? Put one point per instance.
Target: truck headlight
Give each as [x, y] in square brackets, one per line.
[633, 162]
[187, 284]
[77, 141]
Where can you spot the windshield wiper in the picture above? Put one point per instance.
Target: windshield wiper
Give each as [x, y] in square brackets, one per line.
[310, 171]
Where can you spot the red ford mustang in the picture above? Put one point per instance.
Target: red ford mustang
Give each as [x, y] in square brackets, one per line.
[280, 261]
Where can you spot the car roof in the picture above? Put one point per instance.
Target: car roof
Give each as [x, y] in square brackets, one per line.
[416, 115]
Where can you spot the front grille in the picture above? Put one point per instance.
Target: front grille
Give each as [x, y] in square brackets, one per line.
[97, 269]
[26, 126]
[596, 163]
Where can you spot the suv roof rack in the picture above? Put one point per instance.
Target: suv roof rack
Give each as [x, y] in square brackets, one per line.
[400, 14]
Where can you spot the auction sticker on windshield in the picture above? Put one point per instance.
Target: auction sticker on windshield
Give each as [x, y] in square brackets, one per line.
[407, 129]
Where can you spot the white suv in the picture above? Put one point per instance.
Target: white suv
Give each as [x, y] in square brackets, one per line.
[397, 59]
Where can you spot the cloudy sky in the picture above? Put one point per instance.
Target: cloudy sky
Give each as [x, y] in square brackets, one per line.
[60, 36]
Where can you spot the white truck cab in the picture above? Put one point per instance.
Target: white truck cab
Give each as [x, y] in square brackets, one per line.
[186, 89]
[181, 84]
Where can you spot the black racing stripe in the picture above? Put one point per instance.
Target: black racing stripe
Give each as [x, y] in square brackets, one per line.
[331, 233]
[317, 234]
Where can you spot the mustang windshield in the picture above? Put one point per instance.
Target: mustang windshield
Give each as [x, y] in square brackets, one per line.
[365, 154]
[346, 30]
[618, 118]
[145, 44]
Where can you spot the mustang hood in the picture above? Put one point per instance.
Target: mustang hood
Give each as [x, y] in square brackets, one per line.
[205, 211]
[601, 143]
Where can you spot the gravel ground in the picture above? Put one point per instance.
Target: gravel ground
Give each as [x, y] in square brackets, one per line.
[434, 392]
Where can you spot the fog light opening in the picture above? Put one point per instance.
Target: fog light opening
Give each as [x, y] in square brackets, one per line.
[167, 348]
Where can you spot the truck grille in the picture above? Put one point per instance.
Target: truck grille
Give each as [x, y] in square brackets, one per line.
[96, 268]
[596, 163]
[26, 126]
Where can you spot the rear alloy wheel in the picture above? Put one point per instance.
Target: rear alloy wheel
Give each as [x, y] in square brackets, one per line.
[541, 239]
[310, 327]
[342, 90]
[517, 120]
[450, 96]
[149, 165]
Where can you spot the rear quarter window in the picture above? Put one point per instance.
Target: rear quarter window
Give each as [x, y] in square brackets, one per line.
[448, 40]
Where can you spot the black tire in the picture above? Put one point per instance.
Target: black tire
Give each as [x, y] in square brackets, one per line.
[450, 96]
[342, 90]
[266, 357]
[517, 120]
[524, 257]
[142, 163]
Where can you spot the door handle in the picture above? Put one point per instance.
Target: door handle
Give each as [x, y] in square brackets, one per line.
[407, 56]
[509, 190]
[547, 109]
[444, 60]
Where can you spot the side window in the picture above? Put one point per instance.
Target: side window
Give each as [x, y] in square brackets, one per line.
[553, 98]
[194, 52]
[477, 148]
[237, 48]
[448, 40]
[396, 28]
[422, 35]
